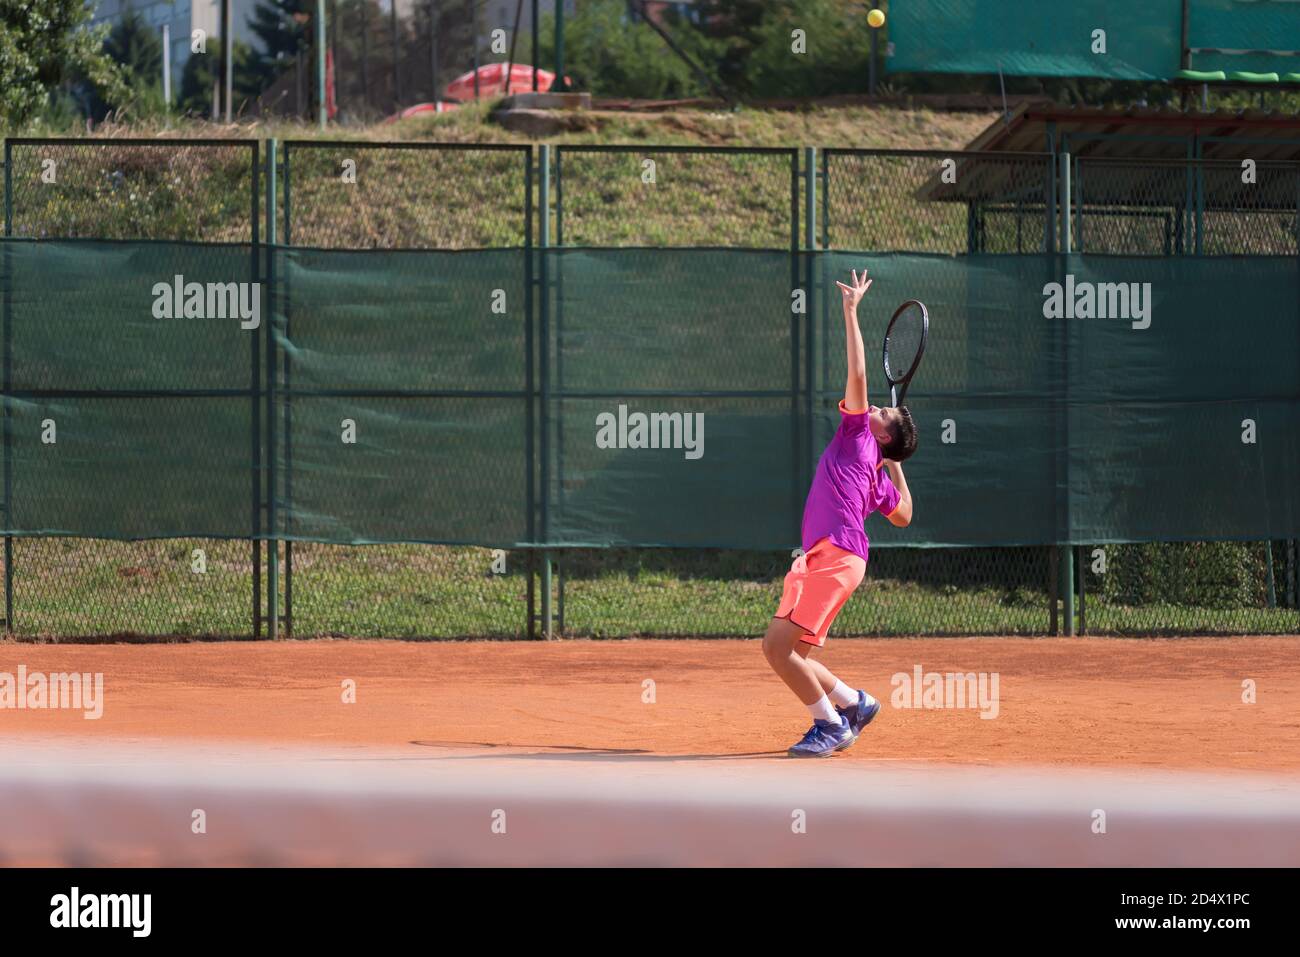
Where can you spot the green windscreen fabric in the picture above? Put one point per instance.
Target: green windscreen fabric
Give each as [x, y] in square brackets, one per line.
[122, 424]
[700, 335]
[1142, 40]
[674, 397]
[423, 353]
[1158, 415]
[987, 395]
[1037, 429]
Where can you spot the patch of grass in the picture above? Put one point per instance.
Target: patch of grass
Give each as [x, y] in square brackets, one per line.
[431, 199]
[70, 587]
[82, 588]
[818, 125]
[76, 587]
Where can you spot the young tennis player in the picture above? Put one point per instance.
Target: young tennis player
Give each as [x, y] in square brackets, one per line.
[849, 485]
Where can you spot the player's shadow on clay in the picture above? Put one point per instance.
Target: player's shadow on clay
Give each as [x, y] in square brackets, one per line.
[570, 752]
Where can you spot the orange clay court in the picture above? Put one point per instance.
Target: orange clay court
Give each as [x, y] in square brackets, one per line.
[1159, 703]
[1153, 730]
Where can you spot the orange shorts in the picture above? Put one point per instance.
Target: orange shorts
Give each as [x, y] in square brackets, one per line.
[817, 586]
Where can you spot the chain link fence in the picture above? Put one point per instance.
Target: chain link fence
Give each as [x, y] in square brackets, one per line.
[1184, 208]
[339, 202]
[351, 198]
[383, 58]
[364, 195]
[673, 197]
[84, 588]
[129, 189]
[631, 209]
[1225, 588]
[949, 203]
[725, 593]
[1187, 208]
[881, 201]
[190, 191]
[942, 203]
[404, 591]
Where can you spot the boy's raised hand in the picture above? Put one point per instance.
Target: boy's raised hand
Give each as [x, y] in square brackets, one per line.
[853, 294]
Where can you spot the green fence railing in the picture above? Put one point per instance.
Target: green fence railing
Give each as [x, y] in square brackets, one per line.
[413, 422]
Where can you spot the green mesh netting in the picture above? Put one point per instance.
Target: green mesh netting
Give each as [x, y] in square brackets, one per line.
[386, 396]
[1056, 39]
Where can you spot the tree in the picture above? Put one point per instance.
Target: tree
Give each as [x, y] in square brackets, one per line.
[836, 57]
[360, 37]
[202, 69]
[609, 53]
[282, 28]
[736, 29]
[136, 48]
[45, 45]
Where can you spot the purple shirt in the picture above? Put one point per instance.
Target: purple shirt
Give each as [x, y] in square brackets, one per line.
[849, 486]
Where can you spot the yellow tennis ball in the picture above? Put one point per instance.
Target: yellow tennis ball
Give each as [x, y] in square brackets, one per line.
[876, 18]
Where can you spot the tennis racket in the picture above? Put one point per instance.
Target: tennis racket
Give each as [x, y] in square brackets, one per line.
[904, 345]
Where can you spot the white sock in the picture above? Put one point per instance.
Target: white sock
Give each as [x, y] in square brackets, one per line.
[842, 695]
[846, 697]
[823, 711]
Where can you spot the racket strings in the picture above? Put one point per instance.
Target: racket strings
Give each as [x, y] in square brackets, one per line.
[903, 345]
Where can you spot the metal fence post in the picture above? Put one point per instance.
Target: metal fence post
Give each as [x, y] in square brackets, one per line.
[544, 242]
[530, 398]
[1053, 588]
[288, 406]
[1066, 237]
[1198, 172]
[1076, 186]
[1049, 224]
[8, 353]
[1293, 575]
[556, 323]
[824, 320]
[1067, 552]
[1293, 551]
[797, 465]
[1081, 568]
[810, 312]
[273, 542]
[322, 111]
[255, 391]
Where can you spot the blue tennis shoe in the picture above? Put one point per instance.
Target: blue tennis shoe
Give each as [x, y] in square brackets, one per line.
[823, 739]
[858, 716]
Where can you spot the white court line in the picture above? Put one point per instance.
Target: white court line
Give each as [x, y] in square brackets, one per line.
[132, 802]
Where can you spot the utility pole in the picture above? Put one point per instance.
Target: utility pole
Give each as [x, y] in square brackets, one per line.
[397, 76]
[322, 110]
[559, 45]
[473, 12]
[514, 35]
[216, 70]
[433, 47]
[334, 45]
[167, 65]
[364, 8]
[228, 55]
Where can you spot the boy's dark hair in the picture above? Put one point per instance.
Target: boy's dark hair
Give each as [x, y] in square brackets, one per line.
[902, 437]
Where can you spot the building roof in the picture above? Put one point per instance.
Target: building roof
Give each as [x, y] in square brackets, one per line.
[1136, 158]
[1145, 132]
